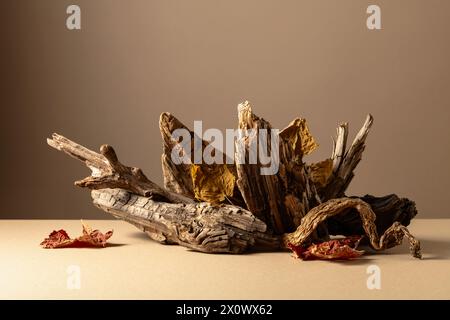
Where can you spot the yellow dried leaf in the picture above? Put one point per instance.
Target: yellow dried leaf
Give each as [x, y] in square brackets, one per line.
[212, 183]
[298, 135]
[321, 171]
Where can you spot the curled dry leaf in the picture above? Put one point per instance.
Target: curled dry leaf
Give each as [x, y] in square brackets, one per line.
[298, 135]
[57, 239]
[321, 171]
[90, 238]
[336, 249]
[212, 183]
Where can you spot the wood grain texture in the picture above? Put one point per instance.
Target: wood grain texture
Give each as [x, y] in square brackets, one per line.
[300, 204]
[108, 172]
[198, 226]
[391, 237]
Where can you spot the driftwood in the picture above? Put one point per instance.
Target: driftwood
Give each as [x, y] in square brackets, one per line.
[300, 204]
[177, 177]
[391, 237]
[108, 172]
[198, 226]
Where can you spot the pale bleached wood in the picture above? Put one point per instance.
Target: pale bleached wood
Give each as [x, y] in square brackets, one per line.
[108, 172]
[198, 226]
[345, 161]
[354, 154]
[274, 205]
[339, 146]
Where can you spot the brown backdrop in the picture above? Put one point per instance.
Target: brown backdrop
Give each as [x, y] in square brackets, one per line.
[109, 82]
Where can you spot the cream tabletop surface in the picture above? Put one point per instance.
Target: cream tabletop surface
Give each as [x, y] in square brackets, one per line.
[134, 267]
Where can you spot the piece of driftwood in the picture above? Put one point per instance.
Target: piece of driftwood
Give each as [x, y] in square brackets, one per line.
[300, 204]
[108, 172]
[269, 196]
[392, 236]
[198, 226]
[178, 177]
[345, 161]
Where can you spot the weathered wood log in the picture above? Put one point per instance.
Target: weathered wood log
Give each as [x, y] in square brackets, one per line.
[198, 226]
[264, 195]
[282, 199]
[298, 197]
[230, 229]
[165, 216]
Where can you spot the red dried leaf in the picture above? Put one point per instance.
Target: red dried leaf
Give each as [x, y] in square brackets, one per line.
[57, 239]
[90, 238]
[337, 249]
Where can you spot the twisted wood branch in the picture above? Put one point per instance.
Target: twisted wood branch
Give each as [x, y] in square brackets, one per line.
[264, 207]
[391, 237]
[108, 172]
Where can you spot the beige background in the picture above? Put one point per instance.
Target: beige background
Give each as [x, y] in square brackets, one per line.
[109, 82]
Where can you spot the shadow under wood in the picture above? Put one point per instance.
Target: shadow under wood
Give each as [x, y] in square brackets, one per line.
[90, 247]
[433, 249]
[139, 235]
[251, 251]
[364, 260]
[353, 262]
[111, 245]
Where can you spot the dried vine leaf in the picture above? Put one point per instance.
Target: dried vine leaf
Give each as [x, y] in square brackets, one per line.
[90, 238]
[336, 249]
[391, 237]
[321, 171]
[57, 239]
[212, 183]
[298, 135]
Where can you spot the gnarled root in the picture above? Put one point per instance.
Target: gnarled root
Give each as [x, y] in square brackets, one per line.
[198, 226]
[391, 237]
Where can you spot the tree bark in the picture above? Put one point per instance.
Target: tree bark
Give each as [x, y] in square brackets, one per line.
[178, 177]
[345, 161]
[299, 204]
[198, 226]
[392, 236]
[108, 172]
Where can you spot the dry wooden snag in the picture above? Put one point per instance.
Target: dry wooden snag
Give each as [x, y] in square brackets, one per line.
[230, 208]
